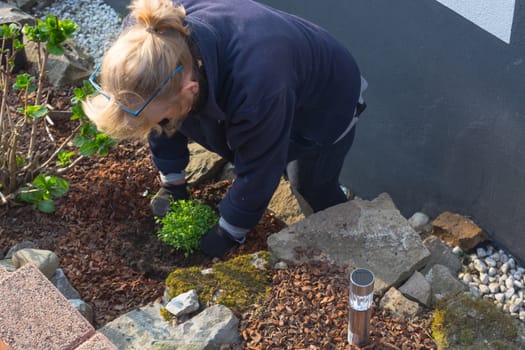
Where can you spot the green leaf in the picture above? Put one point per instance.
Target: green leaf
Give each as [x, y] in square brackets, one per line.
[54, 49]
[68, 27]
[46, 206]
[51, 22]
[30, 194]
[24, 81]
[18, 45]
[59, 187]
[35, 112]
[64, 158]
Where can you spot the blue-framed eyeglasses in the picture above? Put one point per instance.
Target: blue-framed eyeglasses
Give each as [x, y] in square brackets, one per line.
[136, 112]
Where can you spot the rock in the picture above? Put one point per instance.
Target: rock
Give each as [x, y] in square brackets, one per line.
[400, 306]
[28, 5]
[474, 323]
[84, 308]
[418, 221]
[417, 288]
[458, 230]
[184, 303]
[138, 329]
[285, 205]
[71, 67]
[19, 246]
[280, 265]
[45, 260]
[60, 281]
[204, 165]
[441, 254]
[443, 283]
[457, 250]
[359, 234]
[213, 327]
[8, 265]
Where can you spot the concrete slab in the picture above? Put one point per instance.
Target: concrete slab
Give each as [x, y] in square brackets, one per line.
[35, 315]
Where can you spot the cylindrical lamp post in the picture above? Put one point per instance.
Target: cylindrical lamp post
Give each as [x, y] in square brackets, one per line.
[361, 299]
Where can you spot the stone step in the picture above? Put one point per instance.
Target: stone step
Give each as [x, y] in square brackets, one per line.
[35, 315]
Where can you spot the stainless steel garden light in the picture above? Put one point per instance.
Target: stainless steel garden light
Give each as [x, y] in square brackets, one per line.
[361, 298]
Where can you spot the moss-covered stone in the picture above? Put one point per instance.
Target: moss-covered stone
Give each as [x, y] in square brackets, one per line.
[236, 283]
[466, 322]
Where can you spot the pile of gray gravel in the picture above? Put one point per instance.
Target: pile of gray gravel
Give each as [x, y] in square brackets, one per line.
[99, 23]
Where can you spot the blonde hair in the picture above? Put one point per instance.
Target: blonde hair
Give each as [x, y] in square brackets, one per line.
[136, 64]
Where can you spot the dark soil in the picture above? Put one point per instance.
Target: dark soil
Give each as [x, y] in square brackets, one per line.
[104, 236]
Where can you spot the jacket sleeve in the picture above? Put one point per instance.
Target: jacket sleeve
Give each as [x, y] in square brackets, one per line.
[170, 154]
[259, 137]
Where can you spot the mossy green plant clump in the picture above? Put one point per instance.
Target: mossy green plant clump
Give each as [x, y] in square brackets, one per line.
[184, 225]
[467, 322]
[236, 284]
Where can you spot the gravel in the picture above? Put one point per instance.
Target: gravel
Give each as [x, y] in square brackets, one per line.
[495, 275]
[99, 23]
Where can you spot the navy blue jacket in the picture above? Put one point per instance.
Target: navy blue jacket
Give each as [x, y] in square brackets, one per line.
[273, 78]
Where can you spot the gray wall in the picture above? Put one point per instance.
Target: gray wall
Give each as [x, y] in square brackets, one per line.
[446, 117]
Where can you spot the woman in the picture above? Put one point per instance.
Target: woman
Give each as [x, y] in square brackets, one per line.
[268, 91]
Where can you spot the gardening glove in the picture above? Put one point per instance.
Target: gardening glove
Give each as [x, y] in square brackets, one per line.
[218, 241]
[160, 203]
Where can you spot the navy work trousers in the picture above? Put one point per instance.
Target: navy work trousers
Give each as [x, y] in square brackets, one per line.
[313, 170]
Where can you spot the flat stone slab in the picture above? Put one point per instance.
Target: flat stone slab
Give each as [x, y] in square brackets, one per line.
[36, 316]
[357, 234]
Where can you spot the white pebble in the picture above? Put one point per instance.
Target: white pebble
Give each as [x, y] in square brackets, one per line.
[509, 293]
[512, 263]
[467, 278]
[457, 250]
[484, 278]
[514, 308]
[481, 252]
[490, 262]
[484, 289]
[504, 268]
[500, 297]
[492, 271]
[480, 265]
[494, 287]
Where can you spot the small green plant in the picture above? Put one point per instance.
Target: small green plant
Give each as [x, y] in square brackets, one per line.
[184, 225]
[42, 192]
[23, 158]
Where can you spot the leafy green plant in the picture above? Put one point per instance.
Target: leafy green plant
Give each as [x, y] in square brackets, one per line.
[184, 225]
[42, 192]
